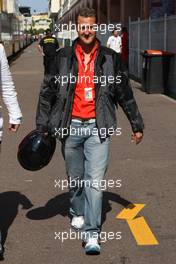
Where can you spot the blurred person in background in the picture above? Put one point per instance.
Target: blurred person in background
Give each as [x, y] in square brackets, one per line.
[115, 42]
[125, 46]
[48, 47]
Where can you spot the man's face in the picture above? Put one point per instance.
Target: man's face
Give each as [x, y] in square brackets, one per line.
[85, 30]
[116, 33]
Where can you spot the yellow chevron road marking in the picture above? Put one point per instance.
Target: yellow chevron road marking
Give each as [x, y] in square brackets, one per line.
[130, 212]
[142, 232]
[138, 226]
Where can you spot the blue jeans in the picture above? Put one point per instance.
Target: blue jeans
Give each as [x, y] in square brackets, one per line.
[86, 160]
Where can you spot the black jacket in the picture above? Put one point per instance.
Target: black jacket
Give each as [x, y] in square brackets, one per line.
[56, 99]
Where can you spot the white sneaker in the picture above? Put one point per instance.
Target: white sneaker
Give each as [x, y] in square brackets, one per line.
[77, 222]
[92, 247]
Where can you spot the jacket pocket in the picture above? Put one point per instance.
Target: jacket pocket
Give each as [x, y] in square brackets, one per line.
[110, 110]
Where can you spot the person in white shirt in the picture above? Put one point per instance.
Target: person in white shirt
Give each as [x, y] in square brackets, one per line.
[115, 41]
[9, 97]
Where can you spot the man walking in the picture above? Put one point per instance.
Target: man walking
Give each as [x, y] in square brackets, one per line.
[78, 112]
[48, 47]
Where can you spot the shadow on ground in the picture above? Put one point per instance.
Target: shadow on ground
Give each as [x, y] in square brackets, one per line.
[9, 205]
[60, 205]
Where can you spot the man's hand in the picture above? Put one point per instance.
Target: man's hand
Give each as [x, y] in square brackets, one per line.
[14, 127]
[137, 137]
[40, 49]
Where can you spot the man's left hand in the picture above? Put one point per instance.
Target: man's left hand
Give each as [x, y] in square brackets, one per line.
[137, 137]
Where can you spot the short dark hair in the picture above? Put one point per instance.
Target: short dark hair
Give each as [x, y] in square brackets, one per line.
[124, 29]
[48, 31]
[86, 12]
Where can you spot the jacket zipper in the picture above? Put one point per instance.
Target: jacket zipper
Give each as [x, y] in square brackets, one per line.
[71, 94]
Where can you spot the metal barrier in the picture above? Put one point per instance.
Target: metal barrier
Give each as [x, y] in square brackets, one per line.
[157, 34]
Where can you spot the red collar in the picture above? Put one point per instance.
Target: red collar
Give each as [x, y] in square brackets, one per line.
[80, 51]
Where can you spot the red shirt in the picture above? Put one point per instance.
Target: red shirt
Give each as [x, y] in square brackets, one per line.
[84, 100]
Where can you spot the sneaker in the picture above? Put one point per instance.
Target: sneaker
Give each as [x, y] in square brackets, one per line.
[92, 246]
[77, 222]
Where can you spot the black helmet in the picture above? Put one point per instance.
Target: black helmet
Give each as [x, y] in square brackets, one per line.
[36, 150]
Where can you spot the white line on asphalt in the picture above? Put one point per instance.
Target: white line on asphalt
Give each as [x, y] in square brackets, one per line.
[28, 180]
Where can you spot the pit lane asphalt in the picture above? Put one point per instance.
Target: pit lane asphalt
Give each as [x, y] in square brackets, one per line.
[147, 172]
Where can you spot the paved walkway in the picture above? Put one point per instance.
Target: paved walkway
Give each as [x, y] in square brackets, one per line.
[32, 209]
